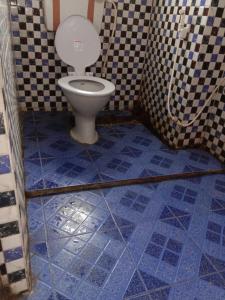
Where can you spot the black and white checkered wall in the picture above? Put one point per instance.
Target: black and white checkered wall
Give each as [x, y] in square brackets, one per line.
[198, 69]
[14, 255]
[38, 67]
[214, 135]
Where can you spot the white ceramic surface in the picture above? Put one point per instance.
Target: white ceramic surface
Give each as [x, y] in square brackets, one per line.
[77, 43]
[87, 96]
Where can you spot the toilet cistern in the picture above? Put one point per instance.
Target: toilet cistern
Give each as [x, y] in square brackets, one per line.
[78, 45]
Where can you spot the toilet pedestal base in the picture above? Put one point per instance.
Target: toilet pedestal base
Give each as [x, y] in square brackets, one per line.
[84, 131]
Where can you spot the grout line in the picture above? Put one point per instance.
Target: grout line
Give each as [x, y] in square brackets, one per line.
[125, 244]
[69, 251]
[48, 251]
[179, 282]
[143, 252]
[200, 249]
[193, 279]
[117, 227]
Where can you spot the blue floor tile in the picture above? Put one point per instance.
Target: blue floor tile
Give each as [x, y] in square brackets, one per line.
[200, 158]
[122, 152]
[31, 147]
[40, 291]
[88, 254]
[117, 250]
[33, 174]
[155, 241]
[4, 164]
[68, 171]
[60, 147]
[196, 289]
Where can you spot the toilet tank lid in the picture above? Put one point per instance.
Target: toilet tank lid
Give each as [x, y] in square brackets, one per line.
[77, 43]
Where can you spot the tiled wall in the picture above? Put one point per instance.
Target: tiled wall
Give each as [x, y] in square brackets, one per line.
[38, 67]
[14, 268]
[214, 136]
[199, 64]
[211, 66]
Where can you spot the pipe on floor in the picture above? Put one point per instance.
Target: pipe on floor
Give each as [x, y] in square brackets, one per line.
[119, 183]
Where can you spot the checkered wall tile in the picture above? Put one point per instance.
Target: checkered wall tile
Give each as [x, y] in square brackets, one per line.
[38, 67]
[214, 135]
[2, 126]
[14, 261]
[200, 63]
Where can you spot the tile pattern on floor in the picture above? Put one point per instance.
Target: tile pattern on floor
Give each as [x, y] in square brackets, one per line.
[157, 241]
[53, 159]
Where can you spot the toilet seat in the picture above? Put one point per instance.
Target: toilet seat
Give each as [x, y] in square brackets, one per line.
[98, 86]
[78, 43]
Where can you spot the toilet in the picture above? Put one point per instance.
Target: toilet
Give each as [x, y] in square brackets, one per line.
[78, 45]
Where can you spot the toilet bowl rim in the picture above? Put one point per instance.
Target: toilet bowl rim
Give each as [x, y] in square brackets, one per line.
[108, 89]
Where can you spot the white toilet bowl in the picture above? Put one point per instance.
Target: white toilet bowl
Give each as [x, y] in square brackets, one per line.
[87, 96]
[78, 45]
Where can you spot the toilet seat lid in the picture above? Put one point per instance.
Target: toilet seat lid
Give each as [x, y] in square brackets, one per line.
[77, 43]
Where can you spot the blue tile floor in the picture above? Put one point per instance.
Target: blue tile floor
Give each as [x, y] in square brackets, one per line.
[145, 242]
[53, 159]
